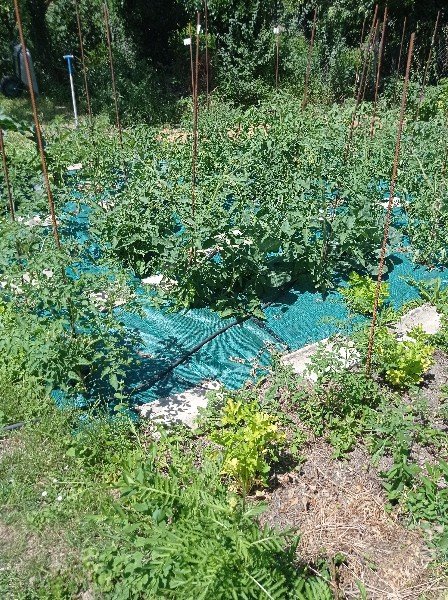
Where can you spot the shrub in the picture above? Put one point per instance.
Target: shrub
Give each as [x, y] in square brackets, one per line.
[403, 362]
[360, 293]
[180, 535]
[247, 435]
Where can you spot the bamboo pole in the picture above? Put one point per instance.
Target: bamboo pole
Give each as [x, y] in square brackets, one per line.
[308, 66]
[7, 180]
[389, 206]
[112, 71]
[378, 73]
[83, 62]
[37, 126]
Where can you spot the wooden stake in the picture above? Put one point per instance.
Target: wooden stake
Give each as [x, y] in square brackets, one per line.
[7, 181]
[112, 71]
[401, 46]
[277, 57]
[195, 118]
[360, 54]
[389, 206]
[207, 64]
[308, 66]
[428, 62]
[361, 87]
[369, 61]
[378, 73]
[83, 61]
[37, 126]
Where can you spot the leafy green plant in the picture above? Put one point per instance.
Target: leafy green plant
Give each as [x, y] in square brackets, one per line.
[360, 293]
[403, 363]
[247, 436]
[432, 290]
[180, 535]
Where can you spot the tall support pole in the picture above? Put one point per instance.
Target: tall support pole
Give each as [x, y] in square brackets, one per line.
[195, 115]
[378, 73]
[387, 222]
[360, 54]
[428, 62]
[401, 46]
[277, 54]
[189, 42]
[83, 61]
[369, 61]
[207, 58]
[308, 66]
[12, 211]
[112, 70]
[37, 126]
[361, 87]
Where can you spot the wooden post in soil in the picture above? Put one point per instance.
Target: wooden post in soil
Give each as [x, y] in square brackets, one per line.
[12, 211]
[427, 65]
[360, 55]
[106, 16]
[195, 128]
[37, 126]
[369, 61]
[378, 73]
[308, 66]
[387, 222]
[361, 86]
[277, 54]
[83, 62]
[401, 46]
[207, 58]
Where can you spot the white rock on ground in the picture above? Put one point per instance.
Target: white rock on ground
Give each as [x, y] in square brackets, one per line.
[343, 351]
[426, 316]
[179, 408]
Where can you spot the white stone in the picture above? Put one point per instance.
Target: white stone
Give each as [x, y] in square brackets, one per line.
[153, 280]
[180, 408]
[343, 350]
[425, 316]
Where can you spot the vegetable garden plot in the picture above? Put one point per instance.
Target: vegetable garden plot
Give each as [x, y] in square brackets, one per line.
[281, 221]
[295, 318]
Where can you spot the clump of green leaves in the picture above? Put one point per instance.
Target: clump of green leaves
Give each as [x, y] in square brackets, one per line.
[179, 534]
[248, 436]
[403, 362]
[360, 293]
[339, 406]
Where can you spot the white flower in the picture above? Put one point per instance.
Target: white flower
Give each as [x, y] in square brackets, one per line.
[236, 232]
[59, 498]
[55, 480]
[44, 493]
[48, 273]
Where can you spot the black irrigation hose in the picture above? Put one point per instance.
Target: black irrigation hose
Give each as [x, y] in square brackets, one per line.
[13, 427]
[146, 385]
